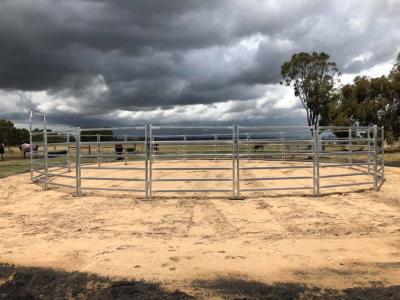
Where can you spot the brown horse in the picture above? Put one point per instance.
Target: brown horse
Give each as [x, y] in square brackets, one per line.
[26, 148]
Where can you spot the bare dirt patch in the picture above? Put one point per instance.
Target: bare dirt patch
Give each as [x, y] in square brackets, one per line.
[203, 244]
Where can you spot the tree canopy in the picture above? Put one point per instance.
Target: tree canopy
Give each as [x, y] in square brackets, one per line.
[370, 101]
[10, 135]
[367, 101]
[313, 77]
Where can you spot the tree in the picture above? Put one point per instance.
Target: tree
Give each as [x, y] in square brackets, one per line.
[396, 67]
[313, 77]
[394, 77]
[11, 135]
[370, 101]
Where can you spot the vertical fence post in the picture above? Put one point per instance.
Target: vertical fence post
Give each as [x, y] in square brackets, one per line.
[126, 149]
[46, 154]
[68, 153]
[237, 162]
[184, 147]
[146, 164]
[383, 154]
[283, 146]
[350, 149]
[369, 149]
[78, 161]
[248, 146]
[314, 146]
[151, 144]
[216, 146]
[30, 143]
[317, 151]
[98, 150]
[316, 160]
[375, 158]
[233, 164]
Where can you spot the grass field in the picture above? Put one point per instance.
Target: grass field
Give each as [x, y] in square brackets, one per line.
[15, 164]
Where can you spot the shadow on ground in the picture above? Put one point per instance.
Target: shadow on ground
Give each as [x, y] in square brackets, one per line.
[233, 288]
[393, 164]
[41, 283]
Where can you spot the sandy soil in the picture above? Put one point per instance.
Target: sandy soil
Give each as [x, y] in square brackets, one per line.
[188, 241]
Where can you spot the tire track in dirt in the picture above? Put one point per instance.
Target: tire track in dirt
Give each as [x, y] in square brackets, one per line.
[262, 202]
[218, 220]
[177, 226]
[212, 215]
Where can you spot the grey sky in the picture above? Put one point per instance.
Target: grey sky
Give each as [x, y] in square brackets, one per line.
[94, 62]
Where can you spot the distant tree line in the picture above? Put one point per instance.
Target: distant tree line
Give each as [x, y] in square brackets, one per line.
[91, 136]
[366, 101]
[10, 135]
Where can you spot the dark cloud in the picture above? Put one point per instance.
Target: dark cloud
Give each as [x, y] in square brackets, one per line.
[94, 57]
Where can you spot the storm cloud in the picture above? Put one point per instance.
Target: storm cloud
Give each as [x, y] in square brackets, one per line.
[94, 61]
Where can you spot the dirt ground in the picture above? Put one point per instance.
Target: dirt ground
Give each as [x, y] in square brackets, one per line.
[205, 245]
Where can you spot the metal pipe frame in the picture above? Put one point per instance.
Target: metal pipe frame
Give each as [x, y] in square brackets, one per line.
[111, 155]
[350, 148]
[239, 142]
[146, 164]
[68, 153]
[46, 167]
[78, 162]
[277, 189]
[112, 168]
[149, 146]
[212, 142]
[30, 142]
[98, 150]
[108, 143]
[369, 146]
[383, 155]
[375, 135]
[237, 150]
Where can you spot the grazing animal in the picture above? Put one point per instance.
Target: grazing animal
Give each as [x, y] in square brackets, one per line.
[118, 150]
[156, 148]
[26, 148]
[258, 148]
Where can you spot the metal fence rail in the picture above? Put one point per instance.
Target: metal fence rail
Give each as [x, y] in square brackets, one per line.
[311, 150]
[131, 137]
[186, 137]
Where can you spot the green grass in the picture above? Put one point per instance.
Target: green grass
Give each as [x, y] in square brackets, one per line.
[392, 157]
[12, 167]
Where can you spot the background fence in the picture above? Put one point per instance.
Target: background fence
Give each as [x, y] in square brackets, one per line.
[244, 150]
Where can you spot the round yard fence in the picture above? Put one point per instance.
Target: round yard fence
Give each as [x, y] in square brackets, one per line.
[234, 160]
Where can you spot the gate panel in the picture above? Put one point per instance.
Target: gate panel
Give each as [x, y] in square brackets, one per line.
[194, 145]
[262, 150]
[103, 151]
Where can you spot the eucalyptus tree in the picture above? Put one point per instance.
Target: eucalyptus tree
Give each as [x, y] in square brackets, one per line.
[314, 78]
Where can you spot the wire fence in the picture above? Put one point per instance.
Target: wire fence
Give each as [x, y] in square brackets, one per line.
[245, 150]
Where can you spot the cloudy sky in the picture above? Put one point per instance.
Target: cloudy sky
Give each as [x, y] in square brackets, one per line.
[94, 62]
